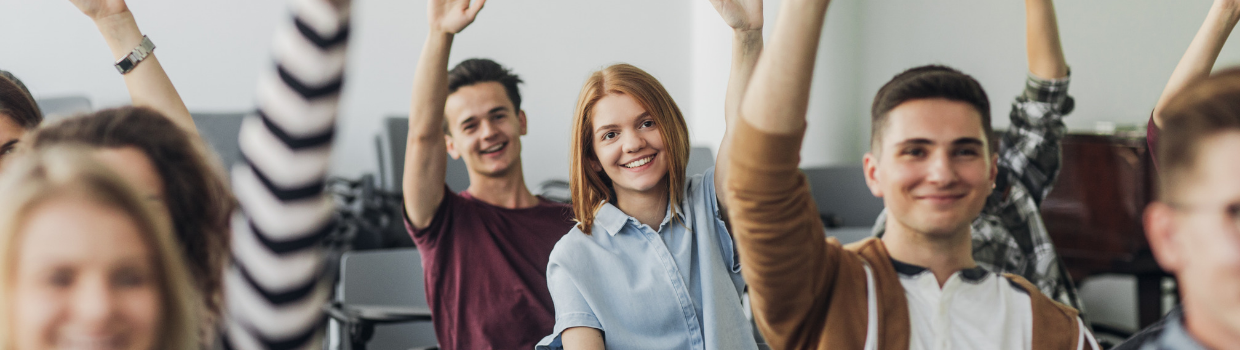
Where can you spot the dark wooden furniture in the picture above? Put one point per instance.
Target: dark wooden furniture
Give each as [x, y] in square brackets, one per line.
[1094, 212]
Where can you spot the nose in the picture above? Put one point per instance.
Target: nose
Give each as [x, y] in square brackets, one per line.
[94, 302]
[490, 131]
[940, 171]
[633, 143]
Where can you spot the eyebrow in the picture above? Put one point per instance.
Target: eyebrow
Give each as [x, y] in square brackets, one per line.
[490, 112]
[958, 142]
[614, 126]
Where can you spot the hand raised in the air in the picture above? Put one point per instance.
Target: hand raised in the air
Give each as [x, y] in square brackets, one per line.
[740, 14]
[452, 16]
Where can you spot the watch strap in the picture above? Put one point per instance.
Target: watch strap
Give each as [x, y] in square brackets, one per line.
[130, 61]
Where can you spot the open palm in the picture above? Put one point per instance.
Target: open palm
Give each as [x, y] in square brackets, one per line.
[740, 14]
[100, 8]
[452, 16]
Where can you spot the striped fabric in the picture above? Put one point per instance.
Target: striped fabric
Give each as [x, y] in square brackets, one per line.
[276, 287]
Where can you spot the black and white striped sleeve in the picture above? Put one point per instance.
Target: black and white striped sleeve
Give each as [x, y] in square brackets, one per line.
[276, 287]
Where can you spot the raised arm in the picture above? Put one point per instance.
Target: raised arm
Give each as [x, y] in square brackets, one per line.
[1029, 149]
[1042, 45]
[426, 150]
[1199, 59]
[148, 85]
[745, 19]
[788, 263]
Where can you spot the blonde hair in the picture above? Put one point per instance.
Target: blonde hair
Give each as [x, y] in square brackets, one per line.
[590, 189]
[44, 175]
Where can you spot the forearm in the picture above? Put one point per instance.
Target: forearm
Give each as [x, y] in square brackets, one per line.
[1044, 50]
[778, 95]
[148, 84]
[746, 47]
[1199, 59]
[426, 149]
[582, 338]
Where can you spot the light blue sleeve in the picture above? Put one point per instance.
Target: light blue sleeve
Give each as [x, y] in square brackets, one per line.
[571, 307]
[702, 192]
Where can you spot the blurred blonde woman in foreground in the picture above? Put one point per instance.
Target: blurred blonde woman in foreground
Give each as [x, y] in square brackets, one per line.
[84, 263]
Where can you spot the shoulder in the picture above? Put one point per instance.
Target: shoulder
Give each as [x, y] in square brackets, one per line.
[576, 246]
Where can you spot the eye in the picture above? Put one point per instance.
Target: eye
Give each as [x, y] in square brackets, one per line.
[913, 152]
[469, 127]
[499, 116]
[129, 278]
[609, 135]
[967, 152]
[647, 124]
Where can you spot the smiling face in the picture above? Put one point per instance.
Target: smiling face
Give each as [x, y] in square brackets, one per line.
[485, 129]
[85, 278]
[10, 136]
[932, 169]
[628, 145]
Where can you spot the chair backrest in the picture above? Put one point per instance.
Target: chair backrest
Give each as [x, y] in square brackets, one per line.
[397, 133]
[220, 130]
[57, 108]
[391, 277]
[700, 159]
[841, 191]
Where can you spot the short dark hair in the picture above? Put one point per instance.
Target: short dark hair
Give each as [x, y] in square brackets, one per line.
[925, 82]
[195, 191]
[481, 70]
[17, 102]
[1192, 116]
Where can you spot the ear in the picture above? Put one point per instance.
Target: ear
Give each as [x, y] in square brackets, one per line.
[451, 147]
[870, 167]
[521, 119]
[994, 169]
[1160, 230]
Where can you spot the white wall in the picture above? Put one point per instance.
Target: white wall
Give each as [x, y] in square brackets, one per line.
[214, 50]
[1121, 52]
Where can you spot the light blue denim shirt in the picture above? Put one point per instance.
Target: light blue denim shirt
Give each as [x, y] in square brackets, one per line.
[675, 288]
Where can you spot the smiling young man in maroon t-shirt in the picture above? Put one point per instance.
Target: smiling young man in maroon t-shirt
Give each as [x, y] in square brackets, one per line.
[484, 250]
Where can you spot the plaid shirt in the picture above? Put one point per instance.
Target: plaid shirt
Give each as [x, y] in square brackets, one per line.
[1009, 235]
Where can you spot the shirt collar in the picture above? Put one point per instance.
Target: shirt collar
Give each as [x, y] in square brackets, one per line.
[1174, 336]
[612, 220]
[974, 275]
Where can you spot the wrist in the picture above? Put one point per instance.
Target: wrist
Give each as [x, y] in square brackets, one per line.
[747, 35]
[121, 33]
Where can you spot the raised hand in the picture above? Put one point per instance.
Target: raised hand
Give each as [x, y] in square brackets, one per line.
[740, 14]
[99, 9]
[452, 16]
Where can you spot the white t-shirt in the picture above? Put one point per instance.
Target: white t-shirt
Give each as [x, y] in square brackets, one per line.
[975, 309]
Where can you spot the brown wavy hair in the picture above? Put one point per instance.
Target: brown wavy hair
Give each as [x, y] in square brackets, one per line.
[66, 171]
[17, 103]
[590, 189]
[195, 192]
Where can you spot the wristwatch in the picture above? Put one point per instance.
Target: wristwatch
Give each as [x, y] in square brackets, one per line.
[127, 63]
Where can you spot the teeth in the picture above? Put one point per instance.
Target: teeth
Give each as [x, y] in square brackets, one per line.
[639, 162]
[495, 148]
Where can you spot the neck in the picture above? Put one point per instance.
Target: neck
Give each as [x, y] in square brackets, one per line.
[943, 254]
[505, 191]
[1210, 333]
[649, 207]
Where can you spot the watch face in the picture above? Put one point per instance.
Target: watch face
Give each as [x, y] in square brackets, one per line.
[124, 65]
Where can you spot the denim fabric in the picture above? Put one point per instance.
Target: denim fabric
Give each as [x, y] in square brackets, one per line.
[677, 287]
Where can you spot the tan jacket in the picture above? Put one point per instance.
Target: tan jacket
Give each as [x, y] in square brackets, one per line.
[809, 292]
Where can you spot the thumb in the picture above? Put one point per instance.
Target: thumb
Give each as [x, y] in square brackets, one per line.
[475, 7]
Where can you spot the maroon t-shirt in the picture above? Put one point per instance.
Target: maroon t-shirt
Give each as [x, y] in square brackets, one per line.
[486, 271]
